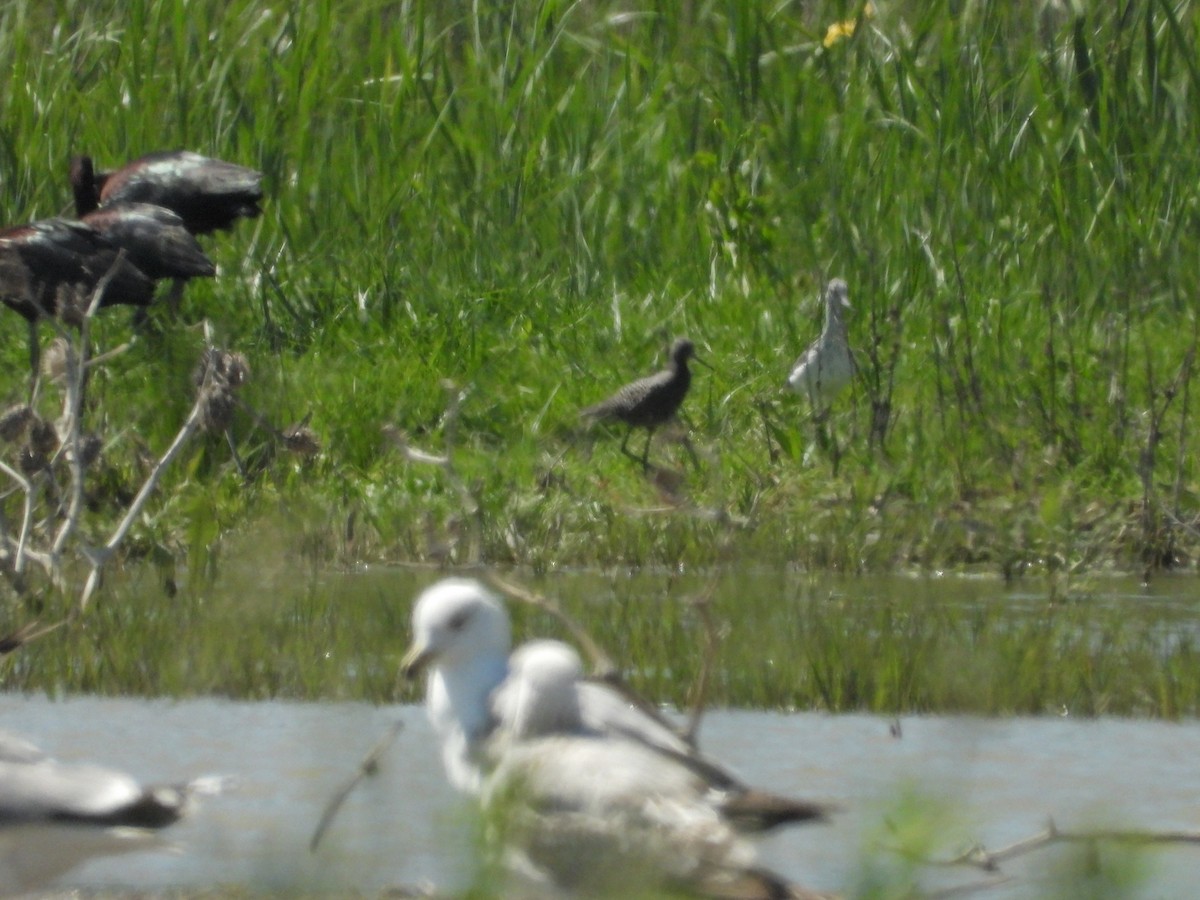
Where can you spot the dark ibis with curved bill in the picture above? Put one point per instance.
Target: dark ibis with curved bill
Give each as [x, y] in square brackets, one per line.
[52, 268]
[156, 240]
[208, 194]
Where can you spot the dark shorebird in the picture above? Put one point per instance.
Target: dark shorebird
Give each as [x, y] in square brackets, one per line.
[208, 194]
[51, 268]
[155, 240]
[651, 401]
[827, 365]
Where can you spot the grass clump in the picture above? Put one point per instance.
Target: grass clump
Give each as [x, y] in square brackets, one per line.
[531, 200]
[267, 622]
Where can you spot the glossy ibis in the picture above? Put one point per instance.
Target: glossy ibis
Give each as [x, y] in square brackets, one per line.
[827, 365]
[155, 240]
[208, 194]
[651, 401]
[52, 267]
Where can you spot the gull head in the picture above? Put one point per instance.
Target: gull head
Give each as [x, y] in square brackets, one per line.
[454, 622]
[540, 696]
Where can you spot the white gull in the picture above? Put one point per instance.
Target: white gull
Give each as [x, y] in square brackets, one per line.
[591, 786]
[54, 815]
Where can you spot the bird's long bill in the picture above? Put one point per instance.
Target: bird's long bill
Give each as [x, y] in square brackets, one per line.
[415, 661]
[706, 365]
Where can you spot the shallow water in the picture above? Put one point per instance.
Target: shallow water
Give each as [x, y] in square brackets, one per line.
[996, 781]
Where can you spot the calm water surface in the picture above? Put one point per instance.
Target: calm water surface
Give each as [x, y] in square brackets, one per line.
[992, 781]
[997, 781]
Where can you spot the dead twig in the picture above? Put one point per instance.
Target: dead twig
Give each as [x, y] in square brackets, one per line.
[602, 664]
[963, 890]
[27, 634]
[76, 364]
[298, 438]
[40, 463]
[20, 551]
[99, 557]
[470, 505]
[369, 766]
[980, 857]
[219, 375]
[702, 604]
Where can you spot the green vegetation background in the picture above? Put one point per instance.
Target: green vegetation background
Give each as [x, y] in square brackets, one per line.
[531, 199]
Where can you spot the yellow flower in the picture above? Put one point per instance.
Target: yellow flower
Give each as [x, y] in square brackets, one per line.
[839, 30]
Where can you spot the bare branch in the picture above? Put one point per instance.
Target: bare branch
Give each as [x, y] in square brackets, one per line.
[20, 552]
[979, 857]
[712, 646]
[469, 504]
[76, 368]
[76, 364]
[989, 860]
[108, 355]
[963, 890]
[297, 438]
[100, 556]
[27, 634]
[369, 766]
[218, 375]
[602, 664]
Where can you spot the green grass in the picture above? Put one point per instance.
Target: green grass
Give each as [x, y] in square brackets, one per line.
[270, 624]
[531, 199]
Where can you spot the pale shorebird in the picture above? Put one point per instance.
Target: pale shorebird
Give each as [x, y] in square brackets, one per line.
[55, 815]
[827, 366]
[594, 792]
[651, 401]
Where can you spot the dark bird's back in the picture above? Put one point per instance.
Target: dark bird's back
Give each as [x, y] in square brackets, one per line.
[649, 402]
[653, 400]
[154, 238]
[53, 268]
[45, 260]
[208, 194]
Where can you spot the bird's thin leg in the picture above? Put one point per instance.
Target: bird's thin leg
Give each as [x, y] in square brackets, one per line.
[835, 451]
[646, 449]
[35, 363]
[625, 439]
[822, 436]
[237, 460]
[625, 442]
[175, 297]
[625, 447]
[687, 443]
